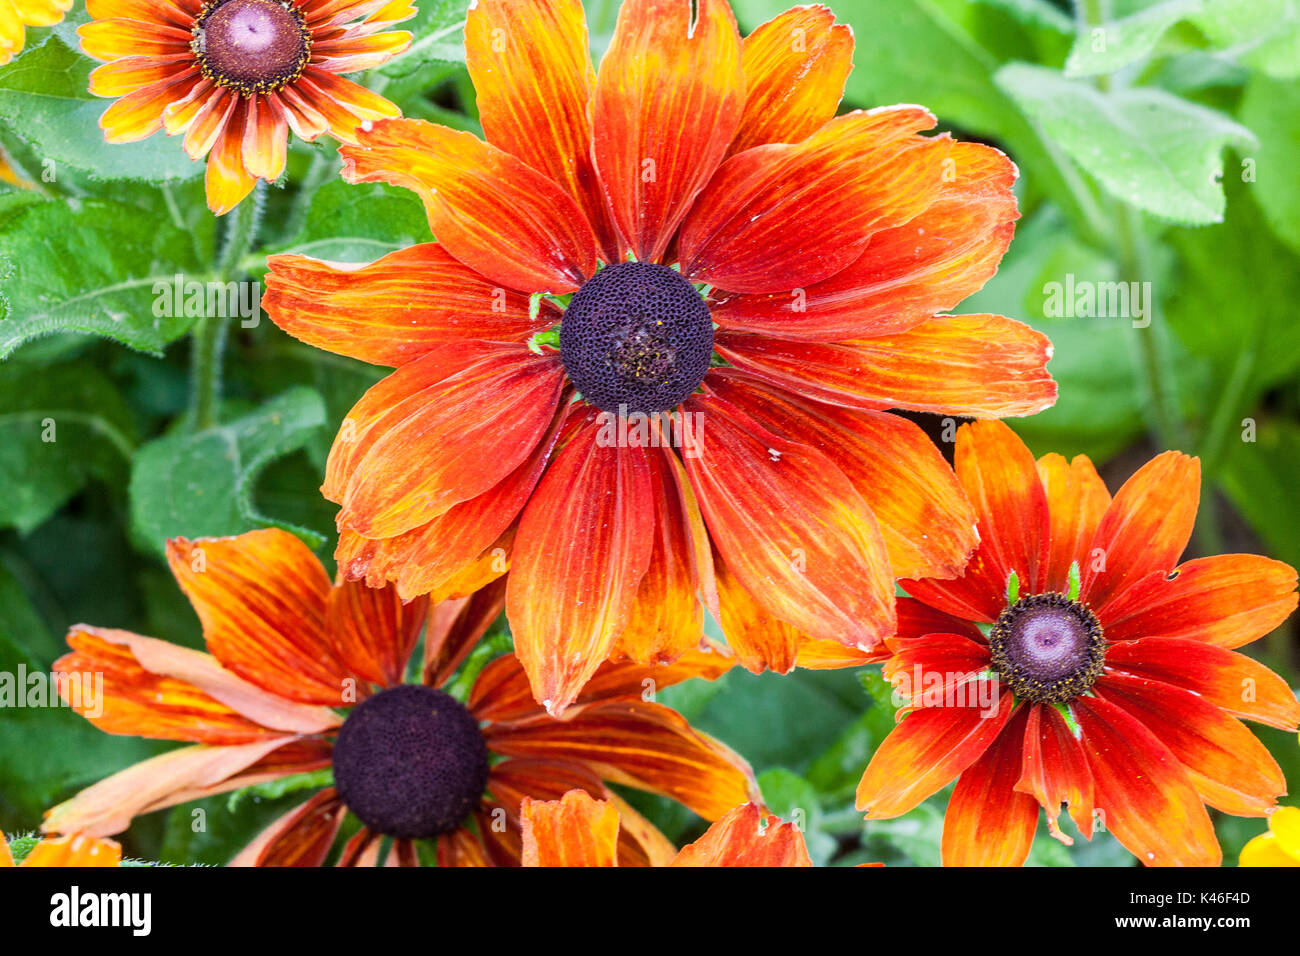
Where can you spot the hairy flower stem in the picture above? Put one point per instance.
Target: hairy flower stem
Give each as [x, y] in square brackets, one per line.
[208, 338]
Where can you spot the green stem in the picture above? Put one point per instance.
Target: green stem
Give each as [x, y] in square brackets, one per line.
[207, 342]
[208, 338]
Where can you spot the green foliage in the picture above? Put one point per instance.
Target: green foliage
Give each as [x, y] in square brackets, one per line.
[44, 99]
[201, 484]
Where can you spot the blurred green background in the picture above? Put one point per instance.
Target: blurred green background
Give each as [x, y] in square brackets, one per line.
[1157, 144]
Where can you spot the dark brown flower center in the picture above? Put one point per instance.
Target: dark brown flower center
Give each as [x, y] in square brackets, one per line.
[1047, 648]
[636, 338]
[251, 46]
[410, 762]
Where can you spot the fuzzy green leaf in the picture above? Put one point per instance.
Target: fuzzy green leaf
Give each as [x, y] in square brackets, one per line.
[1151, 149]
[202, 484]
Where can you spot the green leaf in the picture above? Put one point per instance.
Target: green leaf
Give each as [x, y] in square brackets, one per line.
[796, 801]
[439, 37]
[274, 789]
[1098, 409]
[47, 752]
[58, 427]
[1109, 46]
[1148, 147]
[91, 266]
[44, 96]
[1232, 297]
[1259, 477]
[774, 720]
[1036, 12]
[201, 484]
[1271, 108]
[347, 223]
[1263, 34]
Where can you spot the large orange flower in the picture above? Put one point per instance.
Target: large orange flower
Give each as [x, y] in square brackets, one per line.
[1104, 677]
[17, 15]
[409, 760]
[692, 162]
[236, 75]
[578, 830]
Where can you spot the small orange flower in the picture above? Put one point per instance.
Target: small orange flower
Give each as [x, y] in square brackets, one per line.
[236, 75]
[636, 459]
[74, 850]
[409, 760]
[578, 830]
[17, 15]
[1103, 676]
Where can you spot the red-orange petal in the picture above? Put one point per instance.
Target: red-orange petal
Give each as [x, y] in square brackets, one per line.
[926, 522]
[177, 13]
[932, 670]
[452, 441]
[139, 115]
[227, 180]
[759, 640]
[747, 836]
[501, 692]
[791, 528]
[668, 99]
[531, 69]
[372, 631]
[435, 557]
[1055, 771]
[266, 138]
[118, 36]
[1227, 600]
[261, 599]
[395, 309]
[352, 53]
[1076, 500]
[1226, 763]
[667, 619]
[1144, 530]
[108, 806]
[155, 689]
[130, 73]
[928, 748]
[1234, 682]
[989, 822]
[488, 208]
[638, 744]
[1142, 791]
[455, 627]
[583, 546]
[785, 216]
[1001, 480]
[906, 273]
[573, 831]
[795, 66]
[392, 399]
[984, 366]
[302, 837]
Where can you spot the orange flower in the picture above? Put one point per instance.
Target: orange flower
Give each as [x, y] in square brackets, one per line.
[409, 760]
[236, 75]
[760, 459]
[578, 830]
[17, 15]
[1104, 677]
[75, 850]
